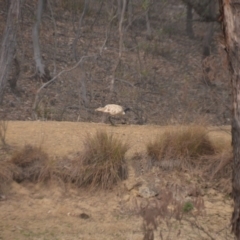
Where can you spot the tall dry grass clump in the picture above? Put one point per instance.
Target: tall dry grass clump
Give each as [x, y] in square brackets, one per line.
[3, 131]
[103, 160]
[181, 147]
[6, 174]
[32, 163]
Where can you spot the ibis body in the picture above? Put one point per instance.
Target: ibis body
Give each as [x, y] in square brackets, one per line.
[112, 110]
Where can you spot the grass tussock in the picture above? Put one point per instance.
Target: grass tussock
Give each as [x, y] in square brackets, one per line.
[6, 173]
[33, 164]
[101, 164]
[217, 169]
[3, 131]
[181, 146]
[69, 170]
[220, 165]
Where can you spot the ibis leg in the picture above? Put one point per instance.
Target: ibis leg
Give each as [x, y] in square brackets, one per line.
[110, 120]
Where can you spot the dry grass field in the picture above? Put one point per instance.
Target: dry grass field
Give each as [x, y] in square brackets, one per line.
[58, 210]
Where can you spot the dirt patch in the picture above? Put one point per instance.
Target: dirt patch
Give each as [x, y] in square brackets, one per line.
[37, 211]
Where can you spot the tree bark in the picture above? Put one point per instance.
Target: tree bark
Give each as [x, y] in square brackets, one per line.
[41, 70]
[189, 27]
[207, 40]
[230, 16]
[130, 12]
[8, 47]
[210, 30]
[15, 74]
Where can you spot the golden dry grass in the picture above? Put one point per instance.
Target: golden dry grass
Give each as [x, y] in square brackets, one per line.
[103, 160]
[184, 145]
[101, 163]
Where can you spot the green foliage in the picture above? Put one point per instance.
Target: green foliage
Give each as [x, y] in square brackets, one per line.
[145, 4]
[187, 207]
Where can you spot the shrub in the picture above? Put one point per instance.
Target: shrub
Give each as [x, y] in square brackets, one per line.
[187, 143]
[103, 161]
[187, 207]
[33, 164]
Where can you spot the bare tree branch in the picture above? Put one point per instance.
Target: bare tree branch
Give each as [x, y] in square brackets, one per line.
[107, 34]
[36, 100]
[75, 52]
[121, 29]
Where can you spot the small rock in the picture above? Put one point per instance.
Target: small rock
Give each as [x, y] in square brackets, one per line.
[84, 216]
[126, 198]
[146, 192]
[2, 197]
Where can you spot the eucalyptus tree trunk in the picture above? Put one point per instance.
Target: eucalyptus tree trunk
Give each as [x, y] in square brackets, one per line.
[210, 30]
[8, 46]
[207, 40]
[189, 27]
[230, 15]
[41, 70]
[130, 11]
